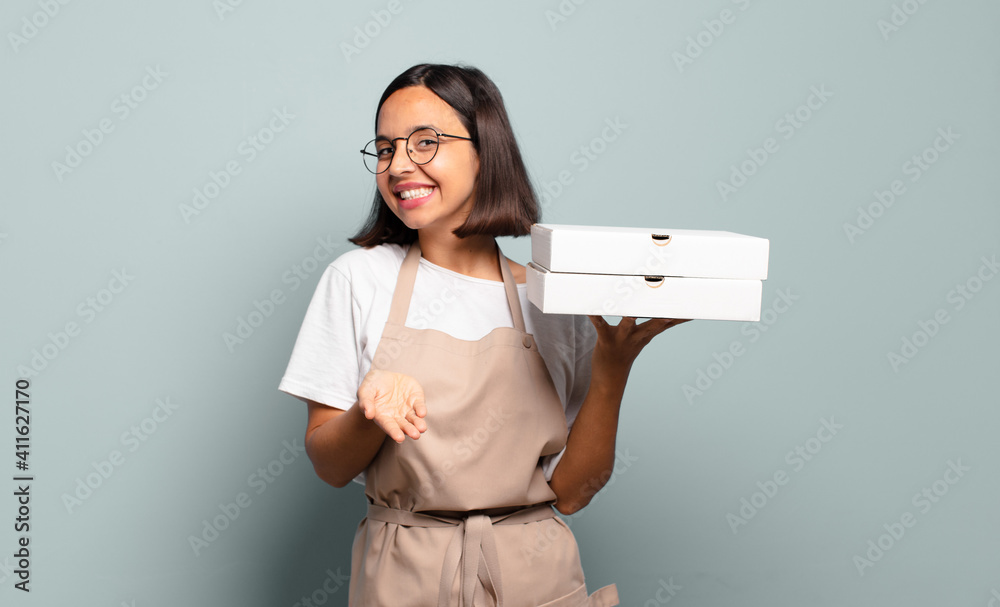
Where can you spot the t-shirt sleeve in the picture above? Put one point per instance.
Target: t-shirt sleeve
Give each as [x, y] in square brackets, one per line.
[578, 380]
[324, 365]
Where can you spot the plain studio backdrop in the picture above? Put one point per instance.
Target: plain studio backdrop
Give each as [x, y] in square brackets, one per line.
[176, 176]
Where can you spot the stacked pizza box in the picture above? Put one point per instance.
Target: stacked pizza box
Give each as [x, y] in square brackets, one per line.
[646, 272]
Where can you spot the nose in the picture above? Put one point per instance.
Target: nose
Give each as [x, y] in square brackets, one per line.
[400, 162]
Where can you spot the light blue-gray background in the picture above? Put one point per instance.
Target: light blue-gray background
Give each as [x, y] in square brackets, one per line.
[667, 519]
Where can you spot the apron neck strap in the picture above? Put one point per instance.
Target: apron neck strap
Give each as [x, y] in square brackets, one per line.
[513, 301]
[408, 273]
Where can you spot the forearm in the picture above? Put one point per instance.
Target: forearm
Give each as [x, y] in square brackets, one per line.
[588, 462]
[343, 446]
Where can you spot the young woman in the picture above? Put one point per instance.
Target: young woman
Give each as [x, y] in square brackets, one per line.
[467, 413]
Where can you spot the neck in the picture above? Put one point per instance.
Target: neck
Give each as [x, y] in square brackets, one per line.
[474, 256]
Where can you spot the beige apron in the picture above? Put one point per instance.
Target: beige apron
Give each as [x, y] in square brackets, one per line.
[462, 516]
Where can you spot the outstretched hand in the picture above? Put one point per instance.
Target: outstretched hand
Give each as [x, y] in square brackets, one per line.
[619, 345]
[395, 402]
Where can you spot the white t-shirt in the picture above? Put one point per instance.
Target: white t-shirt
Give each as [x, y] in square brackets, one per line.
[344, 321]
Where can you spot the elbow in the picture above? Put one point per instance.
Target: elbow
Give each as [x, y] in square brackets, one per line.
[328, 474]
[568, 508]
[570, 500]
[339, 483]
[331, 477]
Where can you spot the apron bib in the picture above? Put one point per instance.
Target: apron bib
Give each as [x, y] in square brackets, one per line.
[463, 516]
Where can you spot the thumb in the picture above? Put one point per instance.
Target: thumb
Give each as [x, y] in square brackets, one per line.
[366, 397]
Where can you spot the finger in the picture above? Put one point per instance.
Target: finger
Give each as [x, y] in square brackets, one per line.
[654, 322]
[676, 321]
[652, 327]
[599, 323]
[409, 429]
[662, 324]
[418, 405]
[417, 422]
[367, 408]
[391, 428]
[366, 398]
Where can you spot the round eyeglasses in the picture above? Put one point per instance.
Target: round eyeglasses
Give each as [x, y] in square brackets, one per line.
[421, 147]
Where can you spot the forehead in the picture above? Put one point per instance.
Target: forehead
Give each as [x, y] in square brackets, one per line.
[413, 107]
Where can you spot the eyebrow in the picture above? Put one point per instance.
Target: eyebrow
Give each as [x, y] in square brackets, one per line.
[383, 137]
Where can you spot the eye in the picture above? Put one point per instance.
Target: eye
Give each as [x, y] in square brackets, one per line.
[426, 142]
[384, 151]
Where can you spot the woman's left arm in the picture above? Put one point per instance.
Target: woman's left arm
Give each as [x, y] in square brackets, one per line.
[588, 462]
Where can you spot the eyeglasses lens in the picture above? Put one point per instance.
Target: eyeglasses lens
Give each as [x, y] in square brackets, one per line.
[421, 146]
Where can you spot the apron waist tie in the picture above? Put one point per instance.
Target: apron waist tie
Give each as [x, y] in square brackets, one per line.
[472, 549]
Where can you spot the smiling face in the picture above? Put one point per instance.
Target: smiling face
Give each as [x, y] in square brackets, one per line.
[438, 195]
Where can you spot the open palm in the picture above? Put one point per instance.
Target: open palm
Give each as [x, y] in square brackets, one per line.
[395, 402]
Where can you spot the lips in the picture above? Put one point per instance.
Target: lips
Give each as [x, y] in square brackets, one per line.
[415, 194]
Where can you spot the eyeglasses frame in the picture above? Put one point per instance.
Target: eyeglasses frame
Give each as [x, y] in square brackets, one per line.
[392, 142]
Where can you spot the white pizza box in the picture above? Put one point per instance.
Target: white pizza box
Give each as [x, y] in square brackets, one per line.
[643, 296]
[648, 251]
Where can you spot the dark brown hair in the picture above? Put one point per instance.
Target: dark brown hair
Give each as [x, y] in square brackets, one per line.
[505, 203]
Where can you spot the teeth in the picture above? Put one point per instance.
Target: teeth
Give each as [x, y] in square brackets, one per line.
[417, 193]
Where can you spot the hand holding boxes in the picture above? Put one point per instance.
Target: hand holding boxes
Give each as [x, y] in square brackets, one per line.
[646, 273]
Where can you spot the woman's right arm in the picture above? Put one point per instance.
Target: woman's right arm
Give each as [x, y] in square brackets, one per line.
[341, 444]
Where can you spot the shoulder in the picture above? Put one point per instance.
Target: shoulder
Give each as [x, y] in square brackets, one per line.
[361, 274]
[366, 263]
[518, 271]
